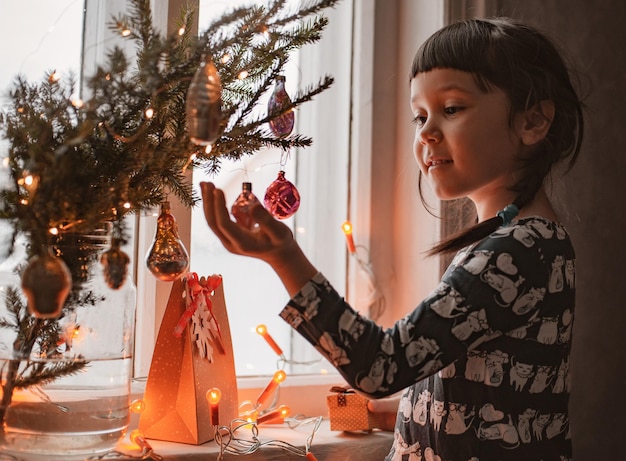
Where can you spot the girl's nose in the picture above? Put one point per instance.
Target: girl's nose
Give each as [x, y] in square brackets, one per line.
[430, 132]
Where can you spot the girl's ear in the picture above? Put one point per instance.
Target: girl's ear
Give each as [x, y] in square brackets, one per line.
[535, 122]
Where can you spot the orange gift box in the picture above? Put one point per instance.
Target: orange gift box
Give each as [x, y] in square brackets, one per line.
[348, 411]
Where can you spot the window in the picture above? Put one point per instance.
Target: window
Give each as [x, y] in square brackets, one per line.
[359, 167]
[254, 295]
[51, 42]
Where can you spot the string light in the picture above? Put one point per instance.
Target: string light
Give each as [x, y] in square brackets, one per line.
[347, 230]
[278, 378]
[149, 113]
[54, 77]
[137, 406]
[54, 231]
[125, 32]
[243, 74]
[262, 330]
[191, 158]
[275, 416]
[181, 31]
[225, 58]
[377, 302]
[213, 397]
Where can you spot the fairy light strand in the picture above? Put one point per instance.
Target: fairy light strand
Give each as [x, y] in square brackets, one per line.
[376, 300]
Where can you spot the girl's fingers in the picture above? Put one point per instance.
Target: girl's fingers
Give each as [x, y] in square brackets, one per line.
[214, 207]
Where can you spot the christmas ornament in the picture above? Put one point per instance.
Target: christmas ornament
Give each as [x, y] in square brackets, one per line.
[115, 265]
[282, 199]
[46, 282]
[281, 125]
[167, 259]
[243, 204]
[203, 104]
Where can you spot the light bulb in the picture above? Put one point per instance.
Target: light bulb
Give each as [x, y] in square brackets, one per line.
[204, 104]
[213, 397]
[46, 282]
[167, 259]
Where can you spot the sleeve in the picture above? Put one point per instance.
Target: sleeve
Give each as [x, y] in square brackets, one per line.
[489, 289]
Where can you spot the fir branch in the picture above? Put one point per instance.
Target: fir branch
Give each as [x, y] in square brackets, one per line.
[43, 374]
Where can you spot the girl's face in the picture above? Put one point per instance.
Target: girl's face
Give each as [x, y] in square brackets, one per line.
[464, 143]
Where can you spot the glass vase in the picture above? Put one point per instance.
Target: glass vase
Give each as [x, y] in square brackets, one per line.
[70, 400]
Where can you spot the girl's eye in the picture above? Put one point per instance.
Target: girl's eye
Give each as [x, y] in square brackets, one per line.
[451, 110]
[419, 120]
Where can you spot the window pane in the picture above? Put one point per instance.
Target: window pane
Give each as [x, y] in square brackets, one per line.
[34, 44]
[254, 295]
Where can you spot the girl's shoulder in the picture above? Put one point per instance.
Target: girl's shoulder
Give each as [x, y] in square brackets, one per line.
[522, 236]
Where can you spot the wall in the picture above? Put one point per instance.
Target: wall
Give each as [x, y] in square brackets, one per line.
[595, 37]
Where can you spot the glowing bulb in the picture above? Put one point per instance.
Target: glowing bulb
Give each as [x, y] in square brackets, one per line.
[139, 439]
[275, 416]
[262, 330]
[225, 58]
[208, 148]
[54, 77]
[278, 378]
[125, 32]
[77, 103]
[243, 74]
[181, 31]
[213, 397]
[138, 406]
[127, 205]
[149, 113]
[347, 230]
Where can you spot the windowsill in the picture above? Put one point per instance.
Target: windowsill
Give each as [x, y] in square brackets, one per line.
[326, 445]
[306, 396]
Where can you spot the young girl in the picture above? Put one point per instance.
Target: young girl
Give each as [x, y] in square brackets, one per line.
[484, 359]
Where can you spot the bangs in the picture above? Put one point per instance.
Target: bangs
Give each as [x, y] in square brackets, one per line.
[468, 46]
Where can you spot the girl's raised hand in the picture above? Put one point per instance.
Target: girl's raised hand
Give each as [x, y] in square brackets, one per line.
[268, 238]
[271, 241]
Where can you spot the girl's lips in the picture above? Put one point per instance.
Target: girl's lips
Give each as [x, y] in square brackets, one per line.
[436, 162]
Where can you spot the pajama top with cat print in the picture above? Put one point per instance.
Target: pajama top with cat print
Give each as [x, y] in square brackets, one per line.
[483, 361]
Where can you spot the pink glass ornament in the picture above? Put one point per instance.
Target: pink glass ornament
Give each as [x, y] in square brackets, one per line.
[242, 206]
[282, 199]
[204, 104]
[281, 125]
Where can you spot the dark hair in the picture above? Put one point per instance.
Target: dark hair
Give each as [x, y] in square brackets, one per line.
[526, 65]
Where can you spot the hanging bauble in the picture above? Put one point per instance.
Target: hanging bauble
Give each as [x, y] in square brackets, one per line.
[46, 282]
[282, 125]
[167, 259]
[115, 264]
[242, 206]
[282, 199]
[204, 104]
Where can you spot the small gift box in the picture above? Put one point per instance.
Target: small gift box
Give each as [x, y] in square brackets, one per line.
[348, 411]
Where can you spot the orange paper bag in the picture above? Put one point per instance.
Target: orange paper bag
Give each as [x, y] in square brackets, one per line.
[191, 356]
